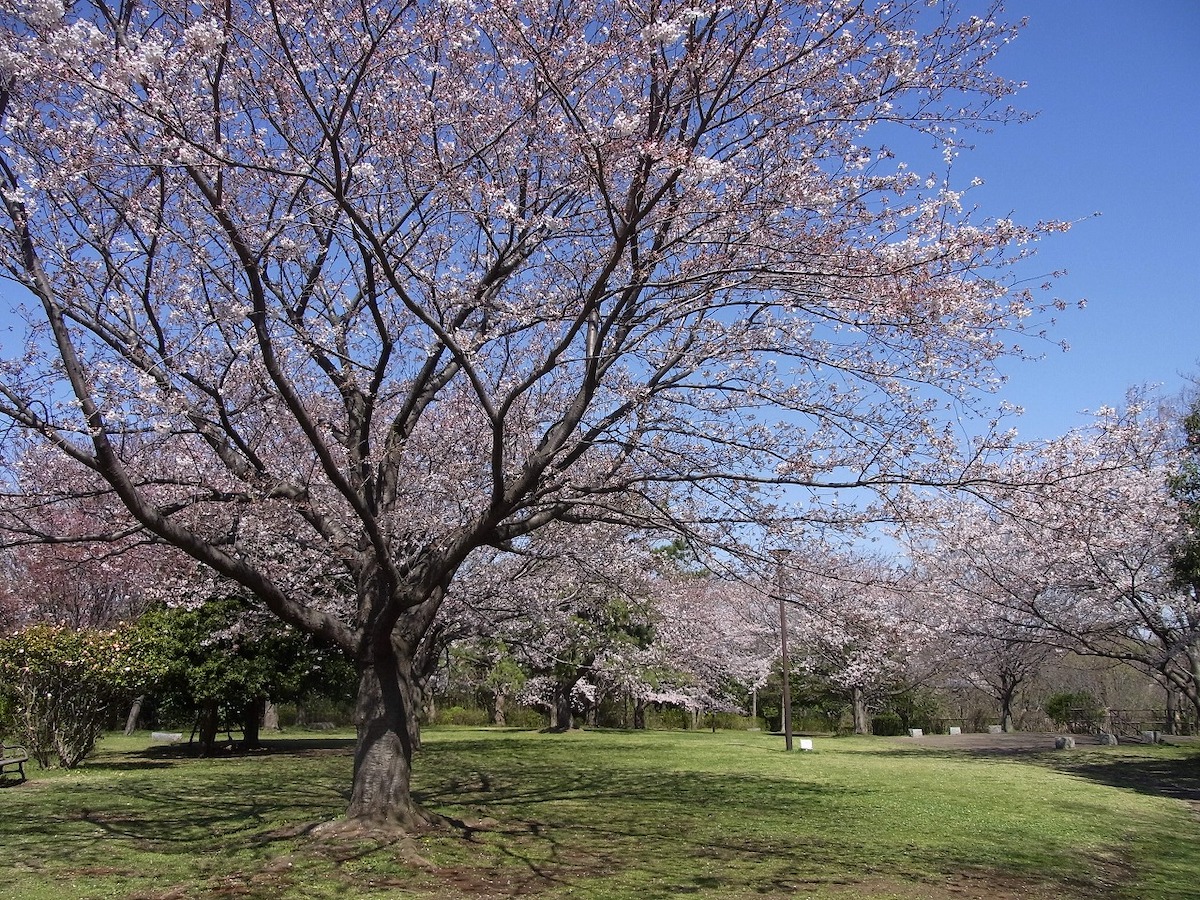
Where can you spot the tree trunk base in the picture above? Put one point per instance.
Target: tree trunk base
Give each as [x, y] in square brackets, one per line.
[366, 828]
[346, 839]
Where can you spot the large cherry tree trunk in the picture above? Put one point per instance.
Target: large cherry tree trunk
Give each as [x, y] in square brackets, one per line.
[639, 713]
[252, 716]
[1008, 693]
[858, 702]
[1190, 688]
[562, 715]
[207, 724]
[386, 717]
[135, 714]
[500, 705]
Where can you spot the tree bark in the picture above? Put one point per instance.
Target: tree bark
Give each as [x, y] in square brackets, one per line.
[135, 713]
[639, 714]
[858, 702]
[560, 707]
[1007, 694]
[414, 695]
[499, 704]
[206, 725]
[384, 714]
[270, 716]
[252, 717]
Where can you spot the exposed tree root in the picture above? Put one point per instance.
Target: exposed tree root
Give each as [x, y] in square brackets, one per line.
[346, 839]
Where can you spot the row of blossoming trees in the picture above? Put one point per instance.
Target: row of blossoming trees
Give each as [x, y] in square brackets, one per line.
[1091, 554]
[1083, 545]
[340, 299]
[1100, 558]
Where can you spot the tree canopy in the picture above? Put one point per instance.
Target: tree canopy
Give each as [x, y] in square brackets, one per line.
[333, 295]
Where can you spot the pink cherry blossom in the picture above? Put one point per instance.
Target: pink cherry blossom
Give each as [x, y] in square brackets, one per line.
[333, 296]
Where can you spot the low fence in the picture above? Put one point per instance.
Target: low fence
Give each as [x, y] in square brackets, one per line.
[1132, 722]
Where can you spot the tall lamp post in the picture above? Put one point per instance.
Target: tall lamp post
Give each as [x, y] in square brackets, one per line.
[786, 701]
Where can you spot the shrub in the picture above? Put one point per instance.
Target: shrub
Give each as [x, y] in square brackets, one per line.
[525, 717]
[64, 682]
[1077, 712]
[324, 709]
[817, 721]
[459, 715]
[917, 708]
[977, 721]
[669, 718]
[8, 718]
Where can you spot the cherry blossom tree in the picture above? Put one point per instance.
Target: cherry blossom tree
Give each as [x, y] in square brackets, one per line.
[1184, 485]
[10, 606]
[81, 586]
[593, 613]
[71, 556]
[333, 295]
[1081, 554]
[858, 624]
[996, 655]
[710, 645]
[568, 604]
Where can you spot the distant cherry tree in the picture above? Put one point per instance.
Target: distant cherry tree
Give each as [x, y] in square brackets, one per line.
[571, 602]
[333, 295]
[861, 626]
[1078, 547]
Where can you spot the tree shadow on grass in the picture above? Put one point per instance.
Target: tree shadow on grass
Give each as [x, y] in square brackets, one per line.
[1171, 777]
[684, 832]
[271, 747]
[151, 813]
[166, 756]
[704, 832]
[562, 818]
[137, 812]
[1160, 776]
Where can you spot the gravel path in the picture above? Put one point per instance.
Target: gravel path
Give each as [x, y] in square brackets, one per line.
[1014, 742]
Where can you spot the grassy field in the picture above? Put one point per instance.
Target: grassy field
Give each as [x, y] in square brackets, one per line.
[616, 815]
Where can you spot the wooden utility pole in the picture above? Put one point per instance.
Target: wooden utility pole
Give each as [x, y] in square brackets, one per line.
[786, 702]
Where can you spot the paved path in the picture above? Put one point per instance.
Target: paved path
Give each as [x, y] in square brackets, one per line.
[1013, 742]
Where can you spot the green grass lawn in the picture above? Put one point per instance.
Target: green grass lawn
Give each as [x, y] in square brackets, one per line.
[615, 815]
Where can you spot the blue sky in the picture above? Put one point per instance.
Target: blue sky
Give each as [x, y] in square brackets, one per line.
[1116, 85]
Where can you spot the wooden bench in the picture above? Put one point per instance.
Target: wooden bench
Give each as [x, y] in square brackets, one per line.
[13, 756]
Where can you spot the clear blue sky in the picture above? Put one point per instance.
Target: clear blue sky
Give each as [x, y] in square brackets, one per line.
[1116, 85]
